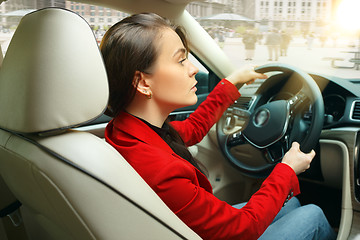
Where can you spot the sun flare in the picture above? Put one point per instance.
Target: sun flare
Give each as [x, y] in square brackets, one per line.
[348, 16]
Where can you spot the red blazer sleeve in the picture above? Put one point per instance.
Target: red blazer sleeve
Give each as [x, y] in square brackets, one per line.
[212, 218]
[197, 125]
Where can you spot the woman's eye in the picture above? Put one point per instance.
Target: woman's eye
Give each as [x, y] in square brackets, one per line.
[182, 61]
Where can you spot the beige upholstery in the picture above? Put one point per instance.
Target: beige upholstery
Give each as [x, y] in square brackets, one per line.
[48, 65]
[72, 184]
[6, 197]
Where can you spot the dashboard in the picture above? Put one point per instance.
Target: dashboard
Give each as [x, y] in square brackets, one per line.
[341, 97]
[341, 101]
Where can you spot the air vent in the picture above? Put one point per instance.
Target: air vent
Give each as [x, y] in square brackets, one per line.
[356, 111]
[243, 102]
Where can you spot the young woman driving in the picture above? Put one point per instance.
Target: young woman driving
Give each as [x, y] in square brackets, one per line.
[149, 77]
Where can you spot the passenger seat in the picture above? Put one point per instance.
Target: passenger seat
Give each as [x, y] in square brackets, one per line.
[72, 184]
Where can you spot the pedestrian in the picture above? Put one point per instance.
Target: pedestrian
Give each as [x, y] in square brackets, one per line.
[273, 40]
[310, 40]
[221, 38]
[323, 39]
[249, 39]
[284, 44]
[150, 76]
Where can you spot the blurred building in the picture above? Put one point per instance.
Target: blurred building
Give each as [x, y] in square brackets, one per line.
[12, 11]
[206, 8]
[301, 15]
[99, 18]
[212, 7]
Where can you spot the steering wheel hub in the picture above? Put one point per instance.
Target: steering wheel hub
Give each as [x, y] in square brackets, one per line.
[267, 124]
[261, 117]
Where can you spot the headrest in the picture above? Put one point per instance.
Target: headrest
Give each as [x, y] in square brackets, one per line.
[53, 76]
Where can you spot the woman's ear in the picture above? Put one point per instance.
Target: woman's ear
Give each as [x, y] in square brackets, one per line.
[142, 85]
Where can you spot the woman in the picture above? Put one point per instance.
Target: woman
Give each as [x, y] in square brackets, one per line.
[149, 77]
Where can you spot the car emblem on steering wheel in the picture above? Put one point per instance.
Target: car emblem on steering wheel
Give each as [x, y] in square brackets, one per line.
[261, 117]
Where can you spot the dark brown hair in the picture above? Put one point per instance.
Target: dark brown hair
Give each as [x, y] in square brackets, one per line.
[130, 46]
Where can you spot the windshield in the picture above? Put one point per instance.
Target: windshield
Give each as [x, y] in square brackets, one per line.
[319, 36]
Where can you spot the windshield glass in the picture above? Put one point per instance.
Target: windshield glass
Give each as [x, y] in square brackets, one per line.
[319, 36]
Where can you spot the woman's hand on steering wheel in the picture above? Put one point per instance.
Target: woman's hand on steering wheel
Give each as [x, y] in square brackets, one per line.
[298, 160]
[245, 75]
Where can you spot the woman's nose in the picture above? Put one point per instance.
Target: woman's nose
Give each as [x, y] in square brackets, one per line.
[193, 70]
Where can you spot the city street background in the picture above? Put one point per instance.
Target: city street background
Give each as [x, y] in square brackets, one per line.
[299, 56]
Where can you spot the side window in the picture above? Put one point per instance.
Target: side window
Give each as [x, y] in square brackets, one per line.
[203, 83]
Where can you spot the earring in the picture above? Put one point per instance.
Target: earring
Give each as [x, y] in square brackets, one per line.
[149, 96]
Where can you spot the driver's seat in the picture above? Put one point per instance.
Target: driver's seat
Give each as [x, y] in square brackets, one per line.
[72, 184]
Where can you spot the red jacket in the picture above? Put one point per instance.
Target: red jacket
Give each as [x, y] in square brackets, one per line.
[184, 189]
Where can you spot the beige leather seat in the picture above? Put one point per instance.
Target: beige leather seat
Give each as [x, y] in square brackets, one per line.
[9, 214]
[72, 184]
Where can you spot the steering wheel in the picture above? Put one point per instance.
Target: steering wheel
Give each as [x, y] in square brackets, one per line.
[270, 124]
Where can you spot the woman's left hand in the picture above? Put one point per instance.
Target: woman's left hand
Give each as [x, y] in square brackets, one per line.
[245, 74]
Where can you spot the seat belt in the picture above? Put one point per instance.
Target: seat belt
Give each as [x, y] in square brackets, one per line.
[13, 229]
[12, 211]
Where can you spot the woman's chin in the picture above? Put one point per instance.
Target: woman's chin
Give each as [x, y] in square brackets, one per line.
[194, 100]
[191, 101]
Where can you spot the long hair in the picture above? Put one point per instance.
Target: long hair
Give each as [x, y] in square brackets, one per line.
[131, 45]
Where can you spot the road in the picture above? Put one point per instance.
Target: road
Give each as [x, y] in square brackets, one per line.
[299, 56]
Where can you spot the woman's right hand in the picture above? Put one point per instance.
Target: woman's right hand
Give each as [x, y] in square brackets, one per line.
[298, 160]
[245, 74]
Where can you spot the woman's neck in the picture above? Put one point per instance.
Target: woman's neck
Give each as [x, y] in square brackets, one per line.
[148, 110]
